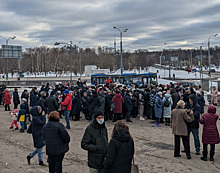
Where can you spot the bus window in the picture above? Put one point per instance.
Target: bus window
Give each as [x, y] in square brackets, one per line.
[154, 80]
[144, 81]
[121, 80]
[116, 79]
[135, 80]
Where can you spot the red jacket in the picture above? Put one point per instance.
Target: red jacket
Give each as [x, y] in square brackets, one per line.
[7, 98]
[118, 100]
[67, 101]
[210, 133]
[108, 82]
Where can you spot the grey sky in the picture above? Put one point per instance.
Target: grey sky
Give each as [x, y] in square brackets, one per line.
[150, 23]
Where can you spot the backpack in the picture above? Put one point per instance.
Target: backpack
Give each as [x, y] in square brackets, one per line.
[167, 102]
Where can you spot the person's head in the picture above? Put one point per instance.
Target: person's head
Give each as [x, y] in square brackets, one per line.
[25, 91]
[16, 90]
[168, 91]
[181, 104]
[43, 94]
[190, 101]
[52, 93]
[85, 94]
[99, 117]
[198, 93]
[23, 100]
[160, 94]
[214, 87]
[54, 116]
[66, 92]
[120, 125]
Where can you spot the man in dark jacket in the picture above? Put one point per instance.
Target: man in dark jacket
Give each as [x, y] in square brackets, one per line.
[194, 126]
[108, 102]
[51, 103]
[175, 98]
[34, 99]
[16, 99]
[128, 105]
[95, 141]
[76, 107]
[57, 141]
[94, 103]
[42, 101]
[24, 95]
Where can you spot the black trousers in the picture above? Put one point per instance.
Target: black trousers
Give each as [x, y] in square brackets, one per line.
[108, 114]
[55, 163]
[177, 145]
[7, 108]
[205, 150]
[15, 106]
[117, 116]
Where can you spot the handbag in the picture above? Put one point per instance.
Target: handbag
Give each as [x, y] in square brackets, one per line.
[134, 168]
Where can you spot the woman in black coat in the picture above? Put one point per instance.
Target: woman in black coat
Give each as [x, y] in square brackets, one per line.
[38, 121]
[57, 141]
[16, 99]
[120, 150]
[76, 107]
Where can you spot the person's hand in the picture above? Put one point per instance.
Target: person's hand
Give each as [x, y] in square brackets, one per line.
[191, 112]
[43, 113]
[187, 110]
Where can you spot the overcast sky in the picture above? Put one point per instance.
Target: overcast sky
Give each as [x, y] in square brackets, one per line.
[150, 23]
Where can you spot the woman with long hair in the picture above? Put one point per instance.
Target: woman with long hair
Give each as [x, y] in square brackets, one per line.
[120, 150]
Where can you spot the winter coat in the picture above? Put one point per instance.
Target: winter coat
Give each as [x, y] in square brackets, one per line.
[56, 138]
[16, 100]
[34, 99]
[210, 133]
[120, 153]
[128, 102]
[42, 104]
[94, 104]
[67, 104]
[24, 95]
[179, 117]
[175, 98]
[214, 96]
[95, 141]
[102, 102]
[196, 111]
[76, 105]
[51, 104]
[167, 110]
[201, 102]
[7, 98]
[118, 100]
[108, 101]
[21, 113]
[158, 107]
[38, 121]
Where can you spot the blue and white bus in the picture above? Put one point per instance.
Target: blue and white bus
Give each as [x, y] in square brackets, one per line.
[126, 78]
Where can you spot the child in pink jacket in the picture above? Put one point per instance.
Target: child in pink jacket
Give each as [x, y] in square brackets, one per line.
[14, 115]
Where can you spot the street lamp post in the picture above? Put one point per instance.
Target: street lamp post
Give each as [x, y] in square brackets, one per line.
[121, 32]
[80, 61]
[71, 58]
[6, 40]
[209, 53]
[169, 59]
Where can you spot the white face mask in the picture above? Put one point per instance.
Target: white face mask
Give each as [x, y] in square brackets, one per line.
[100, 121]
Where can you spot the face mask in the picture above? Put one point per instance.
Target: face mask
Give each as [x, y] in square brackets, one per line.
[101, 121]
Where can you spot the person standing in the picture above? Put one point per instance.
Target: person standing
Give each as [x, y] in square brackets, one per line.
[214, 96]
[42, 101]
[194, 126]
[167, 104]
[158, 107]
[57, 142]
[38, 122]
[118, 101]
[128, 106]
[175, 98]
[108, 101]
[16, 99]
[66, 107]
[51, 103]
[141, 105]
[120, 150]
[179, 128]
[25, 95]
[95, 141]
[7, 100]
[210, 133]
[76, 107]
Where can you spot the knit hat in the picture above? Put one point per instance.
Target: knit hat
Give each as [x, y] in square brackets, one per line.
[24, 100]
[15, 111]
[98, 113]
[66, 91]
[180, 103]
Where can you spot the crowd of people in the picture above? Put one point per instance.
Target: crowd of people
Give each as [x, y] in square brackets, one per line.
[181, 108]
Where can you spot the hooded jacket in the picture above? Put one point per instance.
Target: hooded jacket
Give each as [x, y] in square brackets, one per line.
[210, 133]
[21, 113]
[7, 98]
[158, 107]
[67, 104]
[196, 111]
[38, 121]
[118, 100]
[120, 153]
[95, 141]
[16, 98]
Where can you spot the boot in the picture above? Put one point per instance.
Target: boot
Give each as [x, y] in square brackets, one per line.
[204, 157]
[212, 156]
[41, 163]
[29, 159]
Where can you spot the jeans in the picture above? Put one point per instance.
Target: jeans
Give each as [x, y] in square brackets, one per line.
[39, 152]
[22, 125]
[195, 133]
[55, 163]
[128, 115]
[67, 118]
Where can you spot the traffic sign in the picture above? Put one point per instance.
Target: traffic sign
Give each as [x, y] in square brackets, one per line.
[10, 51]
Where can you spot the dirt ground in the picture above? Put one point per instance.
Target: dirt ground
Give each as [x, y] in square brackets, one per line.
[153, 150]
